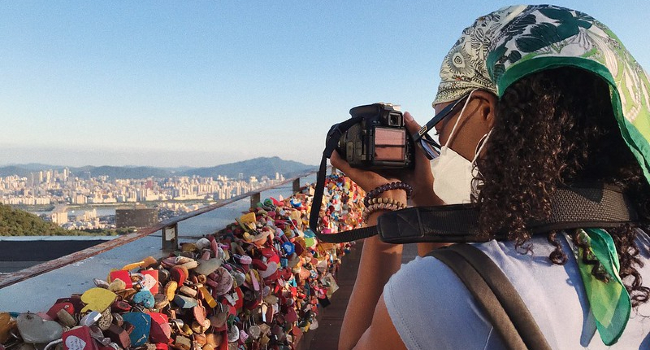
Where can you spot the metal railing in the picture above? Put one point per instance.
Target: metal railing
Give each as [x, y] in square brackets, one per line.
[168, 227]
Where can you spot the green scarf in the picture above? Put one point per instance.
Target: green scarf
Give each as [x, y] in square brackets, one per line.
[609, 300]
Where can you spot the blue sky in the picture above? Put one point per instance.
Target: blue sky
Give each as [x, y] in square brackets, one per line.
[201, 83]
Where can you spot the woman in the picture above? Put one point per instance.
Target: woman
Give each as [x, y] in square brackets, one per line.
[531, 98]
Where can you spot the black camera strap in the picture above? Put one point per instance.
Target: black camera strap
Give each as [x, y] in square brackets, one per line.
[333, 137]
[578, 206]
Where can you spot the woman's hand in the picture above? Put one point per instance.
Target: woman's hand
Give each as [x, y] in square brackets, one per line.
[420, 178]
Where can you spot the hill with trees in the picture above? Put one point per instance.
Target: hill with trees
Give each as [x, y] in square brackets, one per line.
[15, 222]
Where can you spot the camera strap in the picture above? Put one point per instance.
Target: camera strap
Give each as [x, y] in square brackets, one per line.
[333, 137]
[578, 206]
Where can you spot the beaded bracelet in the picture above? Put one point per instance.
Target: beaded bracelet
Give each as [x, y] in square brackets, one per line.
[392, 205]
[398, 185]
[382, 200]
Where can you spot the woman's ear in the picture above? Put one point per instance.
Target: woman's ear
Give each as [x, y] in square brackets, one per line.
[487, 106]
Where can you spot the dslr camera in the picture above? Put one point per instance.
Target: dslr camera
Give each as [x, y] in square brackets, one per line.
[377, 141]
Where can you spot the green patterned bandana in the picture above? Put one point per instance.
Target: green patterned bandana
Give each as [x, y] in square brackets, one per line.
[506, 45]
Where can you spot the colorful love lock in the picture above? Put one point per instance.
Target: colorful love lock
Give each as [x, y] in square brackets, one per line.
[185, 302]
[259, 265]
[207, 297]
[97, 299]
[7, 326]
[199, 314]
[271, 271]
[151, 282]
[207, 267]
[106, 320]
[120, 306]
[75, 300]
[79, 339]
[141, 323]
[291, 315]
[146, 262]
[67, 306]
[248, 221]
[90, 318]
[119, 336]
[123, 275]
[223, 279]
[288, 248]
[161, 331]
[35, 330]
[144, 298]
[179, 274]
[190, 292]
[160, 301]
[170, 290]
[182, 343]
[239, 299]
[65, 318]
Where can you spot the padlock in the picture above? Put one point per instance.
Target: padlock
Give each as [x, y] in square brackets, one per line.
[7, 326]
[34, 329]
[78, 339]
[182, 343]
[66, 306]
[141, 323]
[160, 328]
[170, 290]
[65, 318]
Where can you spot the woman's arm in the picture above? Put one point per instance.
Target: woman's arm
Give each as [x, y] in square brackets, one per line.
[366, 313]
[382, 333]
[379, 261]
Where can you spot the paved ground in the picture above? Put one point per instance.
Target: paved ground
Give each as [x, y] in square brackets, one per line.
[326, 337]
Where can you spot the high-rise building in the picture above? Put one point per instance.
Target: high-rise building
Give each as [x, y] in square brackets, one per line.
[59, 216]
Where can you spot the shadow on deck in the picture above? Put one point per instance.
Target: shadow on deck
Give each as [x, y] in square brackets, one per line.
[326, 337]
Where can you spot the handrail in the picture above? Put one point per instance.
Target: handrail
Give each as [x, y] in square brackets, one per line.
[51, 265]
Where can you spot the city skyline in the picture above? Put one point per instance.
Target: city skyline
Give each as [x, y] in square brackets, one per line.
[172, 84]
[60, 188]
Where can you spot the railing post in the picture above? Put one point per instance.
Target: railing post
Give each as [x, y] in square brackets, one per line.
[170, 238]
[296, 186]
[255, 198]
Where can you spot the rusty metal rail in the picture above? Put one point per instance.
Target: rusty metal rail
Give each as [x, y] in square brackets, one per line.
[169, 236]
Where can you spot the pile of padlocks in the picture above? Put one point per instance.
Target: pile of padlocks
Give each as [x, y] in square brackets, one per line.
[257, 284]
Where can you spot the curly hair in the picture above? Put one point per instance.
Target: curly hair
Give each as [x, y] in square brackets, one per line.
[555, 128]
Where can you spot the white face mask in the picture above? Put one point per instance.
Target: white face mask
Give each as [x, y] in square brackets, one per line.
[453, 174]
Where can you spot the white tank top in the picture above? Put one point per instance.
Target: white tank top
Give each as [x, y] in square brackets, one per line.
[431, 308]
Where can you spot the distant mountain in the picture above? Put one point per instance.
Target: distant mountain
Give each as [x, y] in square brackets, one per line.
[257, 167]
[254, 167]
[38, 166]
[11, 170]
[117, 172]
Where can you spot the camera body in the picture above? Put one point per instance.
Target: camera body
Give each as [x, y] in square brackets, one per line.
[379, 141]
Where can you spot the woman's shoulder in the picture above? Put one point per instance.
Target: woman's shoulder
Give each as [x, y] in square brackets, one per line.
[428, 304]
